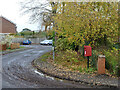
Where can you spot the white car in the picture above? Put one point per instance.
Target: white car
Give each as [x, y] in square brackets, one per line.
[46, 42]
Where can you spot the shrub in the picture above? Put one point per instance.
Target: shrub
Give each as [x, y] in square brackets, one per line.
[112, 60]
[62, 44]
[6, 39]
[94, 58]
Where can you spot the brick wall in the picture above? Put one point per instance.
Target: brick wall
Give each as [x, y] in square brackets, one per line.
[15, 45]
[7, 26]
[3, 47]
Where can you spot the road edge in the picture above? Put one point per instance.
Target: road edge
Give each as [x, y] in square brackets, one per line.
[67, 78]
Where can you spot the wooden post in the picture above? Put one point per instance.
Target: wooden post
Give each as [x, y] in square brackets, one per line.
[101, 64]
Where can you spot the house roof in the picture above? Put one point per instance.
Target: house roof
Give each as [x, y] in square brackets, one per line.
[7, 20]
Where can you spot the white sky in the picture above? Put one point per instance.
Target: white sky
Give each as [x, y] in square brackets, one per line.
[10, 9]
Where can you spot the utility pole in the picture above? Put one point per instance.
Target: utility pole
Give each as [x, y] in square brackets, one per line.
[53, 45]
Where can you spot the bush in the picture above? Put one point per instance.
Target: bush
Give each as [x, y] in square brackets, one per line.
[26, 33]
[7, 39]
[117, 45]
[112, 60]
[62, 44]
[94, 58]
[70, 57]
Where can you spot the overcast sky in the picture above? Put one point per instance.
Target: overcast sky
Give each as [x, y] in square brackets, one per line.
[10, 9]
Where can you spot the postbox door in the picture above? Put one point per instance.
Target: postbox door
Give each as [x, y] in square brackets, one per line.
[87, 51]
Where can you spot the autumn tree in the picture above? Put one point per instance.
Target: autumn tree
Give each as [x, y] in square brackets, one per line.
[79, 23]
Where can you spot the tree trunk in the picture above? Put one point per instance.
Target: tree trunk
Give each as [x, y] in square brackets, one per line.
[105, 39]
[46, 28]
[63, 7]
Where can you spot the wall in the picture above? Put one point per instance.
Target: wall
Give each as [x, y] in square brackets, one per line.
[33, 40]
[7, 26]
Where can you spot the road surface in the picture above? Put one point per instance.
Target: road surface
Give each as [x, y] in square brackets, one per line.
[19, 73]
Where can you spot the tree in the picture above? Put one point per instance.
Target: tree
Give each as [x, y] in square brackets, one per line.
[89, 22]
[26, 32]
[40, 12]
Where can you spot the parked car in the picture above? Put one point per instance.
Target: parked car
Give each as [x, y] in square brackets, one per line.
[28, 42]
[46, 42]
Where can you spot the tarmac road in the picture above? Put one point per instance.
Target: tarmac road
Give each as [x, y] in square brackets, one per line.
[19, 73]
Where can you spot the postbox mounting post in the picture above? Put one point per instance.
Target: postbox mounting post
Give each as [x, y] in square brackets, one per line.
[87, 53]
[87, 61]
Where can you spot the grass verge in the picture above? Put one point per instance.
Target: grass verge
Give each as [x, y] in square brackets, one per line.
[69, 61]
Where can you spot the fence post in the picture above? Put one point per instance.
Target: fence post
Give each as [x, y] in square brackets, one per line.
[101, 64]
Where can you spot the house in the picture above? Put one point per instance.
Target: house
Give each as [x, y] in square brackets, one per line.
[7, 26]
[26, 29]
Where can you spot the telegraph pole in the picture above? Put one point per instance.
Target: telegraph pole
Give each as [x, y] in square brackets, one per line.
[53, 45]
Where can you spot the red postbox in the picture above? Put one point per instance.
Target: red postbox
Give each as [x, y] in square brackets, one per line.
[87, 51]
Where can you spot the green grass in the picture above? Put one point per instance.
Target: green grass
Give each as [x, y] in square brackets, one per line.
[68, 59]
[75, 62]
[22, 47]
[90, 70]
[44, 57]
